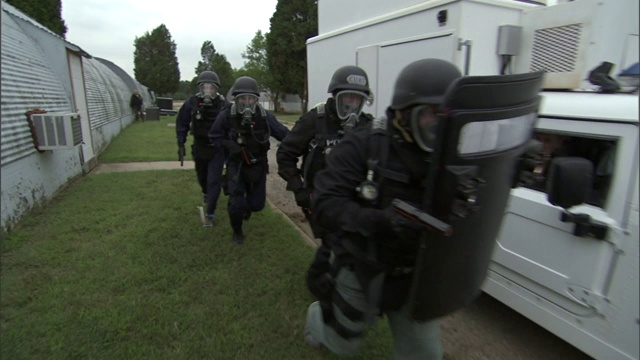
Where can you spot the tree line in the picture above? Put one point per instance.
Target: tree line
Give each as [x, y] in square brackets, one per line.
[276, 59]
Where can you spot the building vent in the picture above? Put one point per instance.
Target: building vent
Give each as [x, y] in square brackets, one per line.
[57, 131]
[556, 49]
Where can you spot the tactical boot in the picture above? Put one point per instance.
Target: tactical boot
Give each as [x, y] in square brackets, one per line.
[309, 339]
[238, 238]
[208, 221]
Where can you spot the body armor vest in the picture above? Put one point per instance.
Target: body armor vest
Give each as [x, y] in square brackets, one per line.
[327, 136]
[252, 134]
[203, 116]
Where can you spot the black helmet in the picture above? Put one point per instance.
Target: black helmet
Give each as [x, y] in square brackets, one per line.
[209, 77]
[423, 82]
[349, 78]
[245, 85]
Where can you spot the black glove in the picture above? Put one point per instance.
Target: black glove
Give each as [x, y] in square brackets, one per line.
[303, 197]
[403, 226]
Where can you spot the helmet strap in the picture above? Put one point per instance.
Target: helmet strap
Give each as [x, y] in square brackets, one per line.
[396, 123]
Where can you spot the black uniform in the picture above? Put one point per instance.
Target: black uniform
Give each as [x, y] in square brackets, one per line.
[362, 228]
[197, 117]
[312, 138]
[373, 260]
[247, 144]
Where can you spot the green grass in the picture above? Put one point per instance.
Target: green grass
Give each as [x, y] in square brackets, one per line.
[144, 141]
[155, 141]
[119, 267]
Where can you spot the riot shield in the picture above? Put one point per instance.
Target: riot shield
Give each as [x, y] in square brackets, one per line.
[485, 125]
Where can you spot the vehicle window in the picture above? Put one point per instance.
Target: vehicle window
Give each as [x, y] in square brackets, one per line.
[601, 153]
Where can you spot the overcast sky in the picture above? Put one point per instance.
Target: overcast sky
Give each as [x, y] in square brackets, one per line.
[107, 28]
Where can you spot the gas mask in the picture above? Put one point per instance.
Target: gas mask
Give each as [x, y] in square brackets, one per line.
[208, 92]
[246, 106]
[349, 105]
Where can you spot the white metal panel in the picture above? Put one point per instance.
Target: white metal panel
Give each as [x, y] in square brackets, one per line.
[590, 106]
[479, 24]
[395, 56]
[569, 40]
[367, 59]
[343, 48]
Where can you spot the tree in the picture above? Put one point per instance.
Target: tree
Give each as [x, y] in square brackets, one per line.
[155, 62]
[218, 63]
[257, 67]
[293, 22]
[45, 12]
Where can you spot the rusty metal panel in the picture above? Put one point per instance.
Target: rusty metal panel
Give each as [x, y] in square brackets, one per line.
[27, 83]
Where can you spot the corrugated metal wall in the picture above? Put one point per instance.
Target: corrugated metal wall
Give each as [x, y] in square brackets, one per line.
[35, 74]
[107, 94]
[27, 83]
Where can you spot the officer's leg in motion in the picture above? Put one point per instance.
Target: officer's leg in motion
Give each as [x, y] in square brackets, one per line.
[202, 169]
[340, 324]
[237, 205]
[214, 185]
[256, 191]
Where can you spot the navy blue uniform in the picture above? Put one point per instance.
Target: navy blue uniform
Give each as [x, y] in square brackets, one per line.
[196, 117]
[246, 143]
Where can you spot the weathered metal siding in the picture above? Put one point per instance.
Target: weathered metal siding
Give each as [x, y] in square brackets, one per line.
[27, 83]
[35, 74]
[108, 102]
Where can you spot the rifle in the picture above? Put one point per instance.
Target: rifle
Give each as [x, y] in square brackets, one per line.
[414, 214]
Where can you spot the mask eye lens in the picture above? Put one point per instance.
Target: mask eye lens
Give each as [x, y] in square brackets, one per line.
[246, 102]
[349, 103]
[424, 120]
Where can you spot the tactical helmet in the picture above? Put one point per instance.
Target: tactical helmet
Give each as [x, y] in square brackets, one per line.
[208, 77]
[349, 78]
[245, 85]
[419, 91]
[423, 81]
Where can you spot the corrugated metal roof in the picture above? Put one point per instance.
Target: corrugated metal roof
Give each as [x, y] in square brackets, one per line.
[27, 83]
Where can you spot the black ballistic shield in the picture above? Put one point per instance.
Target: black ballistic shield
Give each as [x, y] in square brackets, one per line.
[484, 127]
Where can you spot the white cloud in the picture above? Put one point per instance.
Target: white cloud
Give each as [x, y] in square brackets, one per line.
[107, 29]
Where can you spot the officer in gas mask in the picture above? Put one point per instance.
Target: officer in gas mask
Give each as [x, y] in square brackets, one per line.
[312, 138]
[372, 250]
[197, 116]
[244, 130]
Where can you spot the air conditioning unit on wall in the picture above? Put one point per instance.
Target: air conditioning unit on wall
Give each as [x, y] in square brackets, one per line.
[57, 130]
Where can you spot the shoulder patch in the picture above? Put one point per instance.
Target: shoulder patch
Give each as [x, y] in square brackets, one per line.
[379, 124]
[319, 108]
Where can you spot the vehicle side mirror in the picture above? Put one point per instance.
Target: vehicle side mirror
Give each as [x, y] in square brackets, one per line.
[569, 181]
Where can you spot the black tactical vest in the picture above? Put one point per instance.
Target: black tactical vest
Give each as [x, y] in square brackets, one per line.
[328, 135]
[203, 116]
[251, 134]
[401, 174]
